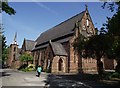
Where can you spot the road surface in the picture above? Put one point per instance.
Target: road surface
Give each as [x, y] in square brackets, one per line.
[11, 77]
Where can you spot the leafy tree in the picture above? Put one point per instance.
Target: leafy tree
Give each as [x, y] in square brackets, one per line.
[3, 46]
[94, 47]
[4, 49]
[112, 5]
[9, 10]
[26, 58]
[113, 27]
[106, 43]
[0, 47]
[5, 7]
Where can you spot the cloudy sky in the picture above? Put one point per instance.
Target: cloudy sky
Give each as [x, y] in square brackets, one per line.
[33, 18]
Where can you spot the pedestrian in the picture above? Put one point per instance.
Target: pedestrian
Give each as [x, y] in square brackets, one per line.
[39, 69]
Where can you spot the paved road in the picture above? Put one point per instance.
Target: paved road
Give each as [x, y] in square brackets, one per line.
[18, 78]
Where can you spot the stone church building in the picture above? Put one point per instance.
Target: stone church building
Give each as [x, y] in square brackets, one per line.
[54, 49]
[13, 60]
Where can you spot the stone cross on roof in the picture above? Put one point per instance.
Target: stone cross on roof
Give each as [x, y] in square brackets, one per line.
[86, 6]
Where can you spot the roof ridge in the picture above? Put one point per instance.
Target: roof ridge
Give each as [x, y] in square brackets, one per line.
[29, 40]
[63, 22]
[62, 28]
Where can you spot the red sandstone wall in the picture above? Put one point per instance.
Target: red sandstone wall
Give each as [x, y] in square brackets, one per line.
[55, 64]
[89, 65]
[108, 64]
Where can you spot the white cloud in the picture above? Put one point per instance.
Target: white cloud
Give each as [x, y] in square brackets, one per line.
[45, 7]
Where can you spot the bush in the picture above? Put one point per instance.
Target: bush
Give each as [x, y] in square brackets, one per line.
[30, 67]
[115, 75]
[117, 69]
[106, 75]
[22, 67]
[47, 71]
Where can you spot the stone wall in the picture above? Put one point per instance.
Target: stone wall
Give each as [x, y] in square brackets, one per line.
[73, 59]
[109, 64]
[13, 51]
[78, 64]
[89, 65]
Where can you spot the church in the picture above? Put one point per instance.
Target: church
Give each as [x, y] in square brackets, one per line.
[15, 52]
[54, 49]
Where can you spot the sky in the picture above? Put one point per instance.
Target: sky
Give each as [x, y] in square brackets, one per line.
[33, 18]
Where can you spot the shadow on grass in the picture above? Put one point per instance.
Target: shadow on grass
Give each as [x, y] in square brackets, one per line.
[79, 81]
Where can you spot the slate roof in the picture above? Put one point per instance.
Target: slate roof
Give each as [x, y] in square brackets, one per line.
[19, 50]
[59, 30]
[45, 45]
[29, 44]
[58, 49]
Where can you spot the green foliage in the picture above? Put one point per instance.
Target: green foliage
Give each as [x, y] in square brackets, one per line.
[111, 5]
[95, 46]
[110, 75]
[80, 43]
[5, 54]
[5, 7]
[22, 66]
[118, 67]
[26, 57]
[4, 42]
[30, 67]
[47, 70]
[112, 24]
[115, 75]
[3, 46]
[113, 27]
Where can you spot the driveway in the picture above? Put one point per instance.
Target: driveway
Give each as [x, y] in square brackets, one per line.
[18, 78]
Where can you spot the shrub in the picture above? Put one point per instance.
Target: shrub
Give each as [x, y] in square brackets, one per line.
[22, 67]
[30, 67]
[47, 70]
[115, 75]
[117, 69]
[106, 75]
[26, 58]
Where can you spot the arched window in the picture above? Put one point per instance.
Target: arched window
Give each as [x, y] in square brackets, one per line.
[14, 49]
[60, 67]
[87, 22]
[13, 57]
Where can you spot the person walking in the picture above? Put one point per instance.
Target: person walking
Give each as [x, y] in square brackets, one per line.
[39, 69]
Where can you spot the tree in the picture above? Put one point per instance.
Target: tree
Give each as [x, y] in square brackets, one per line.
[113, 27]
[3, 46]
[93, 47]
[5, 7]
[0, 47]
[4, 52]
[26, 58]
[4, 49]
[106, 43]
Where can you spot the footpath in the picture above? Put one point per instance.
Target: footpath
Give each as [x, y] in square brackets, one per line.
[18, 78]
